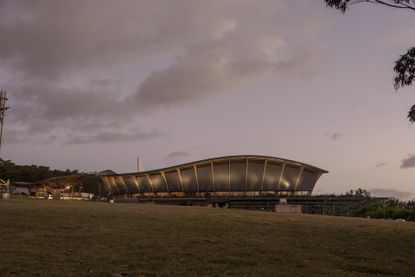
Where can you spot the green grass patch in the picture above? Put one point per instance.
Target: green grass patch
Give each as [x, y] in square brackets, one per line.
[64, 238]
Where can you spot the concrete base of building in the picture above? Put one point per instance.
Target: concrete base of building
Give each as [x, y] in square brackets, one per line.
[288, 208]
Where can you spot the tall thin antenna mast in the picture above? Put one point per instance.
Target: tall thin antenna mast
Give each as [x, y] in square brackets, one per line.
[3, 108]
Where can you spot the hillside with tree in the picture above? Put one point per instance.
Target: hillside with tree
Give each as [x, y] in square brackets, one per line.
[29, 173]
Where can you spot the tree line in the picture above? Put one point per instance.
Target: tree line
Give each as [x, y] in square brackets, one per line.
[30, 173]
[390, 209]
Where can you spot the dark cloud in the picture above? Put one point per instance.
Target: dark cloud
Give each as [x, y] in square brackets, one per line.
[20, 136]
[402, 195]
[333, 136]
[114, 136]
[46, 39]
[55, 103]
[380, 165]
[73, 62]
[177, 154]
[215, 66]
[408, 162]
[50, 109]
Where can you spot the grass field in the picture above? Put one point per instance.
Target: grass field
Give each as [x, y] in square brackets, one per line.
[61, 238]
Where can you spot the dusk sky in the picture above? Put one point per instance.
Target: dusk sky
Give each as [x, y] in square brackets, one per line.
[94, 84]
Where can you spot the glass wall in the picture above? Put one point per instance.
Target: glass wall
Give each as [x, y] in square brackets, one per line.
[272, 176]
[221, 173]
[289, 179]
[120, 184]
[109, 185]
[158, 183]
[244, 175]
[189, 179]
[308, 179]
[255, 173]
[131, 186]
[173, 181]
[204, 175]
[238, 175]
[144, 184]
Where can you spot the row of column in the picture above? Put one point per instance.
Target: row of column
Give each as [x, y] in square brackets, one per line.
[196, 178]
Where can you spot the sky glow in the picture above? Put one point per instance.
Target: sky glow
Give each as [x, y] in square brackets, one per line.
[94, 84]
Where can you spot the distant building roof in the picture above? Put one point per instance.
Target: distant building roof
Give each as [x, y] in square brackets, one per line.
[106, 172]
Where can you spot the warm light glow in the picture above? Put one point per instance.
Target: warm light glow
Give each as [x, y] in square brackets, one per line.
[227, 178]
[285, 182]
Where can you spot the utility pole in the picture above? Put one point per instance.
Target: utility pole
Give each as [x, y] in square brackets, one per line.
[3, 108]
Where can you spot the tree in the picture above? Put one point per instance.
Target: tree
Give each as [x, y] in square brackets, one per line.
[405, 66]
[29, 173]
[358, 193]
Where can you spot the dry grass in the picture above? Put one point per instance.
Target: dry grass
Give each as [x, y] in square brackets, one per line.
[61, 238]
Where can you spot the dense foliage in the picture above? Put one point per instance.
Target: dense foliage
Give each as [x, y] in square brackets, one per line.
[34, 173]
[390, 209]
[359, 192]
[29, 173]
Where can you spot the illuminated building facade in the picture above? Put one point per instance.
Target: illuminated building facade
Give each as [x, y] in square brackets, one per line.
[245, 175]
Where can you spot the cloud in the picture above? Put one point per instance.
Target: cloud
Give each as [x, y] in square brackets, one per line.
[114, 136]
[380, 165]
[333, 136]
[67, 68]
[177, 154]
[56, 103]
[408, 162]
[402, 195]
[16, 136]
[215, 66]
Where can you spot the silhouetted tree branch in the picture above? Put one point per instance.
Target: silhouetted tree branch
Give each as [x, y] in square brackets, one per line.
[405, 66]
[343, 5]
[405, 69]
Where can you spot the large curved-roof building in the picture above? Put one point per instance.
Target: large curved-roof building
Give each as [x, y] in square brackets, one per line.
[245, 175]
